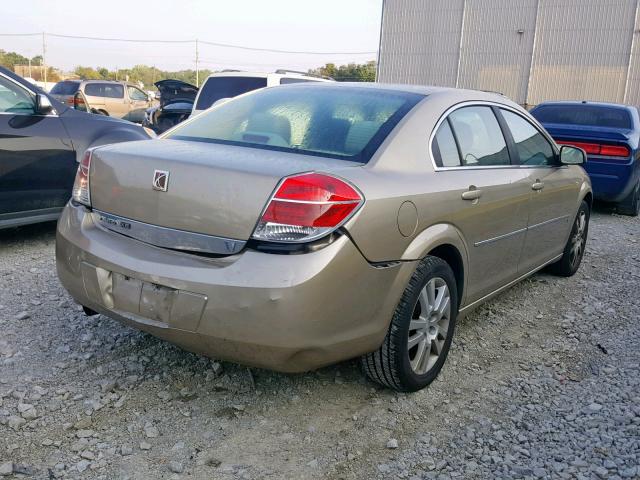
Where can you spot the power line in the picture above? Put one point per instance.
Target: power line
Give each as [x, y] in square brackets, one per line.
[214, 44]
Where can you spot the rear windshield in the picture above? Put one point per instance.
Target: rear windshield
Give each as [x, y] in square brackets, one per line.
[338, 122]
[216, 88]
[65, 88]
[587, 115]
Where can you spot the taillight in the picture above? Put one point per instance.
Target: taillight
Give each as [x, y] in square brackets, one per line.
[306, 207]
[598, 149]
[81, 193]
[614, 151]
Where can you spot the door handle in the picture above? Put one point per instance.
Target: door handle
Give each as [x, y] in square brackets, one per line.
[538, 185]
[472, 194]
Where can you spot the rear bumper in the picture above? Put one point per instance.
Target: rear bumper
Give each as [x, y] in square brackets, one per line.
[284, 312]
[611, 181]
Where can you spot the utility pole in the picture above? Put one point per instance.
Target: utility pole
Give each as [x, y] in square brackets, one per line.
[197, 68]
[44, 62]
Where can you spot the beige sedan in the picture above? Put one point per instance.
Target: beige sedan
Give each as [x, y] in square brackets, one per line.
[302, 225]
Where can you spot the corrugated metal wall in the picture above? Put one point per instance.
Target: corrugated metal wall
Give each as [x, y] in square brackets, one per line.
[497, 56]
[421, 39]
[530, 50]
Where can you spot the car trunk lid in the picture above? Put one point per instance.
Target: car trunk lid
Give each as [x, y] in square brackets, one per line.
[211, 189]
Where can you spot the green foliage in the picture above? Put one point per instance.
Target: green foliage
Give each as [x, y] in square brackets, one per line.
[353, 72]
[11, 59]
[140, 73]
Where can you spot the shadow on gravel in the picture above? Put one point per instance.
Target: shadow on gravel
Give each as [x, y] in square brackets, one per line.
[40, 231]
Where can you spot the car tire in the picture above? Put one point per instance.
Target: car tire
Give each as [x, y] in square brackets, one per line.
[408, 368]
[102, 112]
[631, 204]
[574, 249]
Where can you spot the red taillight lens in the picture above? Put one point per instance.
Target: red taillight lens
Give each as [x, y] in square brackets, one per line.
[614, 151]
[81, 193]
[306, 207]
[598, 149]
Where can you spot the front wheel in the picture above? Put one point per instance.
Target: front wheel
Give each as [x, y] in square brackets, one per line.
[417, 343]
[574, 249]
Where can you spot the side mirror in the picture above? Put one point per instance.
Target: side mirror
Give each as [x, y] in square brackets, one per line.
[572, 155]
[43, 104]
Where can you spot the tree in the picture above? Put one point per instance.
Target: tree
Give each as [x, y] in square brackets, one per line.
[353, 72]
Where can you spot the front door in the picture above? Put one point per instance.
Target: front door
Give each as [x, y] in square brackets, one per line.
[553, 190]
[37, 161]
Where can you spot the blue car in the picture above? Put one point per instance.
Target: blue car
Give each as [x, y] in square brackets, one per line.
[610, 134]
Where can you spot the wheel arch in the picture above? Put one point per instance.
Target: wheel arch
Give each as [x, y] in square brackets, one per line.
[446, 242]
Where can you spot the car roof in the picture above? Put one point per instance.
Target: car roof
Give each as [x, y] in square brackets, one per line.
[456, 94]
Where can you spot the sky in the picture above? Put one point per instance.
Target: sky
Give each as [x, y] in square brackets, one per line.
[294, 25]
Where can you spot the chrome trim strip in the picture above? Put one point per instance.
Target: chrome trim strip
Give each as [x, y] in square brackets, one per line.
[499, 237]
[466, 308]
[521, 230]
[546, 222]
[167, 237]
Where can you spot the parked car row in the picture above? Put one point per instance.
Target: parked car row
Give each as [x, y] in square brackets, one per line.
[111, 98]
[41, 142]
[298, 226]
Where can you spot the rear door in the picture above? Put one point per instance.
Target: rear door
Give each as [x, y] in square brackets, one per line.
[553, 191]
[487, 196]
[37, 162]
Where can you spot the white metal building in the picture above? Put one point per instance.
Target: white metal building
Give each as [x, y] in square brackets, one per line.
[530, 50]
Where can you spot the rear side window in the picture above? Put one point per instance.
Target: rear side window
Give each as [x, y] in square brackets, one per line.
[445, 149]
[479, 137]
[108, 90]
[65, 88]
[532, 147]
[582, 114]
[347, 123]
[217, 88]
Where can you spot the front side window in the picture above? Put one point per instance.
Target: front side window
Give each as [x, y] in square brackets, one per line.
[532, 147]
[15, 99]
[136, 94]
[479, 137]
[346, 123]
[217, 88]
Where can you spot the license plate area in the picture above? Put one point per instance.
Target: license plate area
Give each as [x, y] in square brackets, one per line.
[162, 305]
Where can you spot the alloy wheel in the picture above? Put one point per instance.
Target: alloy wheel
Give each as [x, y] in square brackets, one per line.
[578, 239]
[429, 325]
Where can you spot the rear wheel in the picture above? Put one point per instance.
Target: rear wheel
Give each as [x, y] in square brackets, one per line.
[631, 204]
[417, 343]
[101, 112]
[574, 249]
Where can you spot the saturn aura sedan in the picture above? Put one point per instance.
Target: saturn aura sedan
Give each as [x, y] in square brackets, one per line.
[301, 225]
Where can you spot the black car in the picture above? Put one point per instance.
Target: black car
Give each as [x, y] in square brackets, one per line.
[41, 142]
[176, 103]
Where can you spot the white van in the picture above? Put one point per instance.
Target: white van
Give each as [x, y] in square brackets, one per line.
[231, 83]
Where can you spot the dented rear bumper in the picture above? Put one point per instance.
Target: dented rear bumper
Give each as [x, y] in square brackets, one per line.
[284, 312]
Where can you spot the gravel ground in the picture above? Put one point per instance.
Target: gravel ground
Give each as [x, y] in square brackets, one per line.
[543, 382]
